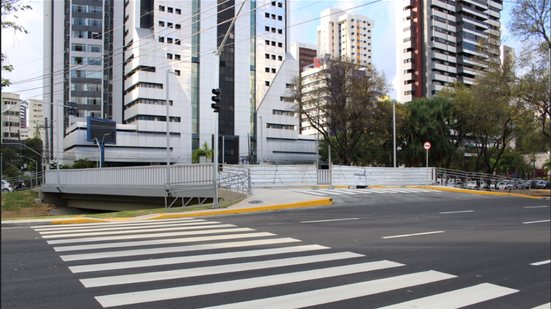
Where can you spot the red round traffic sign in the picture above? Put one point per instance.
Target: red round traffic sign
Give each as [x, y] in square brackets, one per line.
[427, 145]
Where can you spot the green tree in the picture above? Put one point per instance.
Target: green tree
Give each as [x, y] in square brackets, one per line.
[205, 151]
[342, 106]
[9, 10]
[84, 163]
[429, 120]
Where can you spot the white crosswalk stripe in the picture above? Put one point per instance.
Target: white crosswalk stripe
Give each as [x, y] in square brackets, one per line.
[340, 192]
[147, 259]
[458, 298]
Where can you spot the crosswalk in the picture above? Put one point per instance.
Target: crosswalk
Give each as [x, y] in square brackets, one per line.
[153, 263]
[345, 192]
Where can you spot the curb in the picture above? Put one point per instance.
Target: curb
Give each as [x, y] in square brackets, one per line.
[476, 192]
[199, 213]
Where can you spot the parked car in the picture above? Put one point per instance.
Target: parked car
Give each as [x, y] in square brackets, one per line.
[542, 184]
[471, 185]
[6, 186]
[504, 185]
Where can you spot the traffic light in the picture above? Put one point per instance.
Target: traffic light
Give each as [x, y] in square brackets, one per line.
[216, 100]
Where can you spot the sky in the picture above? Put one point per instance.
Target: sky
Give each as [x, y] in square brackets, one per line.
[25, 51]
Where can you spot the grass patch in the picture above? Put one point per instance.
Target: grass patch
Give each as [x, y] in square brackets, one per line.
[14, 201]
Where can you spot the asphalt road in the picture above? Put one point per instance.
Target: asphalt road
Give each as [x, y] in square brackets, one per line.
[423, 249]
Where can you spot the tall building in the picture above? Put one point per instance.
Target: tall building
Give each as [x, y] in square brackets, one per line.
[506, 52]
[305, 53]
[345, 36]
[35, 114]
[82, 44]
[167, 54]
[441, 41]
[13, 116]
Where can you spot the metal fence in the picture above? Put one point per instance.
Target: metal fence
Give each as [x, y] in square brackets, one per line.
[136, 175]
[481, 181]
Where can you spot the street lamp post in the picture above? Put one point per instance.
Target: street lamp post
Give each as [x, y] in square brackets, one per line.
[167, 103]
[394, 131]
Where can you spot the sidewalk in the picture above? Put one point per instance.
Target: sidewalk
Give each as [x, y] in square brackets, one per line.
[262, 199]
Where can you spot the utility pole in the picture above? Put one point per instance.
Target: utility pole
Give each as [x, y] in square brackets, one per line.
[217, 86]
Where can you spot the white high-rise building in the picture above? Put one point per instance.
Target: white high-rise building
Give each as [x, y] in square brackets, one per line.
[35, 114]
[167, 54]
[440, 44]
[344, 35]
[12, 107]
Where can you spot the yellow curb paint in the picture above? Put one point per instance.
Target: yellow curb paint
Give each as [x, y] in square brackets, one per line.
[77, 221]
[229, 211]
[467, 191]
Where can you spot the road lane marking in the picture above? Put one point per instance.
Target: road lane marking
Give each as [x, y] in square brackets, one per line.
[143, 230]
[107, 224]
[457, 298]
[540, 263]
[415, 234]
[346, 191]
[544, 306]
[127, 227]
[539, 221]
[187, 248]
[330, 220]
[137, 297]
[214, 270]
[330, 192]
[141, 236]
[312, 192]
[543, 206]
[455, 212]
[193, 258]
[154, 242]
[339, 293]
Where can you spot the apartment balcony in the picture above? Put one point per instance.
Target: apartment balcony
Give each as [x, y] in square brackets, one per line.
[441, 78]
[470, 10]
[496, 5]
[473, 21]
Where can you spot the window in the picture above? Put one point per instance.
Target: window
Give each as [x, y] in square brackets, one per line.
[273, 57]
[177, 57]
[178, 11]
[279, 44]
[267, 15]
[169, 40]
[280, 58]
[267, 42]
[267, 56]
[177, 72]
[273, 16]
[78, 47]
[279, 5]
[168, 56]
[161, 23]
[279, 17]
[177, 42]
[267, 83]
[178, 26]
[161, 8]
[170, 10]
[273, 43]
[267, 28]
[161, 39]
[273, 70]
[267, 70]
[170, 25]
[280, 31]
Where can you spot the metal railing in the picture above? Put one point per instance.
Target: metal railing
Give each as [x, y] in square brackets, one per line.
[481, 181]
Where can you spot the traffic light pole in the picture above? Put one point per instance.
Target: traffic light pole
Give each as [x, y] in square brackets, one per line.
[216, 86]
